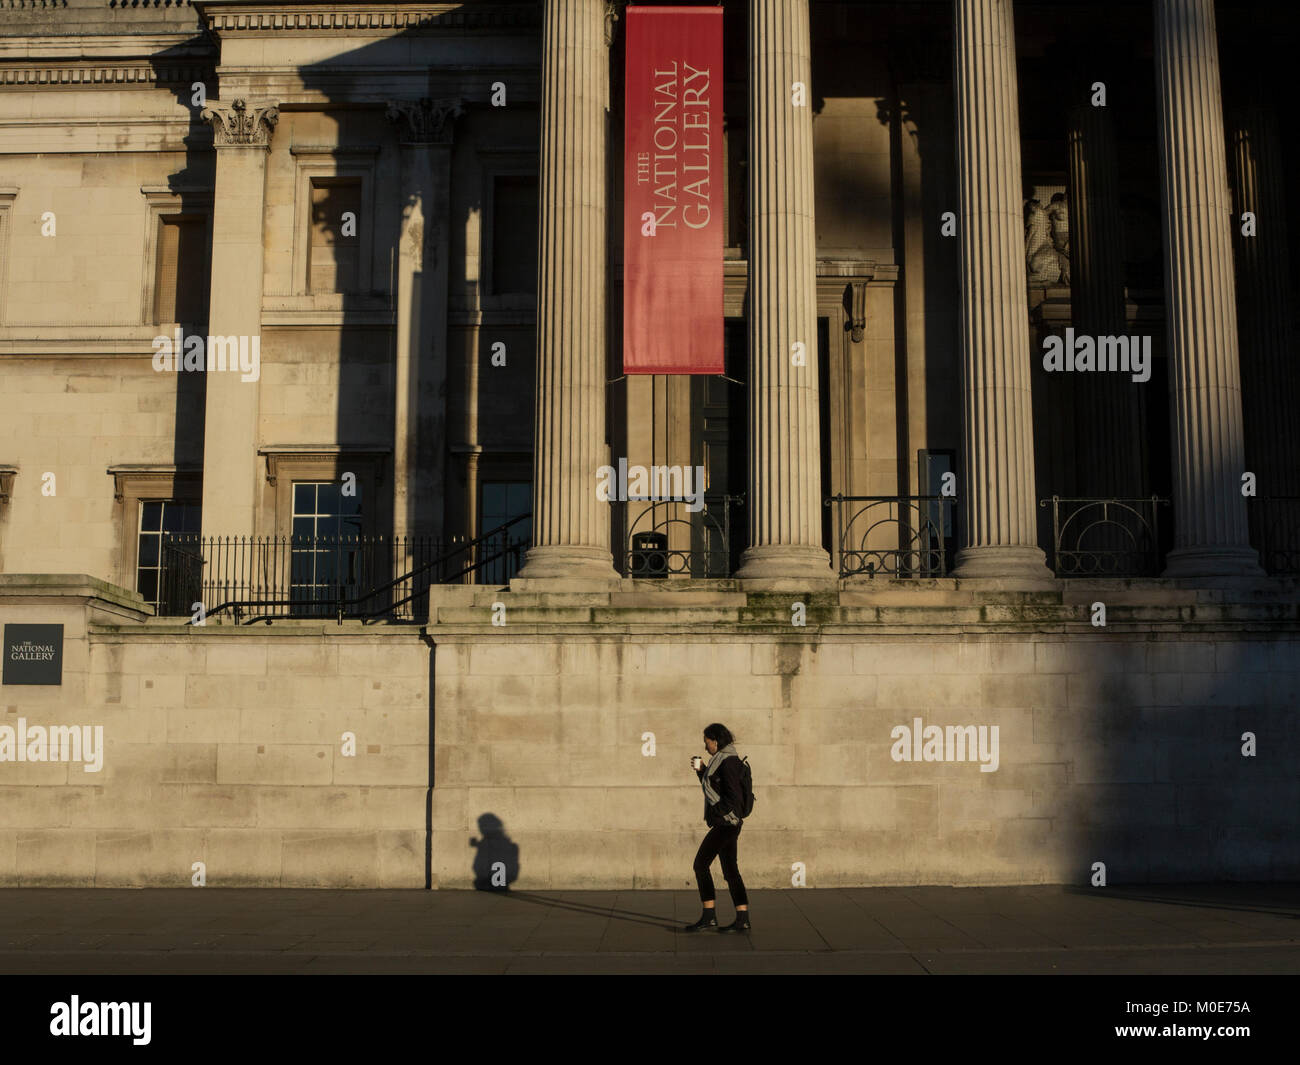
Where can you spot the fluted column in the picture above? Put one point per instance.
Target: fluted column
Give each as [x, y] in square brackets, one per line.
[998, 486]
[242, 138]
[1108, 433]
[570, 525]
[1268, 382]
[1210, 536]
[784, 504]
[420, 374]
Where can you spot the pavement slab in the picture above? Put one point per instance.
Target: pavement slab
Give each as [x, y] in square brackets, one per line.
[1151, 929]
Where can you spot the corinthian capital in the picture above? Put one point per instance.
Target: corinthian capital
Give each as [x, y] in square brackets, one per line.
[240, 124]
[425, 121]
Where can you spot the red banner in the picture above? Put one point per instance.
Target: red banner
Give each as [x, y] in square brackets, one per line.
[672, 191]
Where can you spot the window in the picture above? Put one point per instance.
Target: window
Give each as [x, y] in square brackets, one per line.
[514, 234]
[181, 277]
[177, 253]
[334, 249]
[500, 502]
[326, 547]
[158, 518]
[332, 256]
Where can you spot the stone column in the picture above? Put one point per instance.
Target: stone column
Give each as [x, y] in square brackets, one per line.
[420, 403]
[784, 504]
[1210, 537]
[1269, 399]
[231, 481]
[1109, 428]
[570, 525]
[998, 429]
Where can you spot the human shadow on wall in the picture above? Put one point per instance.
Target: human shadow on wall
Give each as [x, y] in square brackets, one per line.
[496, 857]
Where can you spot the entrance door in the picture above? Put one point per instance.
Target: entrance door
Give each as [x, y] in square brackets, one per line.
[719, 432]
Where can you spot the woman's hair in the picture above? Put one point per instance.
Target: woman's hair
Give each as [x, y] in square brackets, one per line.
[720, 734]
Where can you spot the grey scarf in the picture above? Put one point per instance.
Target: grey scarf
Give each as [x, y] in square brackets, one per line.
[711, 797]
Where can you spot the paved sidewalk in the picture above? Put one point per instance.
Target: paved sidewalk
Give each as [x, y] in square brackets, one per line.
[1212, 928]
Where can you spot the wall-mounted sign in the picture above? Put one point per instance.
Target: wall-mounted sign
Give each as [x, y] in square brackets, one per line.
[33, 654]
[672, 191]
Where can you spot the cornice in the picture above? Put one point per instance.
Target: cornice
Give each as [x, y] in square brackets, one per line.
[141, 73]
[231, 17]
[105, 47]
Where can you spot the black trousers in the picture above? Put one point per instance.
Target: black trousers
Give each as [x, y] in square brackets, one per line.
[720, 843]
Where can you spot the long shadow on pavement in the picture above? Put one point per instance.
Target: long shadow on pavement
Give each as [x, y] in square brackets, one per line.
[1207, 896]
[631, 916]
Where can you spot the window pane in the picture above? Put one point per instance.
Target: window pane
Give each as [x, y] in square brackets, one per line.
[304, 498]
[151, 515]
[327, 499]
[303, 566]
[520, 498]
[304, 527]
[173, 517]
[147, 584]
[149, 550]
[493, 500]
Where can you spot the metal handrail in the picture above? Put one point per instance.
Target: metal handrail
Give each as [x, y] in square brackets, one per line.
[246, 561]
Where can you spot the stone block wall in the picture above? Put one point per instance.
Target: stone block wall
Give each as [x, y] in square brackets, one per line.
[224, 745]
[1125, 751]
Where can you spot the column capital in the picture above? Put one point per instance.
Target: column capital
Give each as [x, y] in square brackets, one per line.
[425, 121]
[238, 124]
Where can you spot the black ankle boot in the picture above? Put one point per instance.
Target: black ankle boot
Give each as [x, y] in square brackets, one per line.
[708, 919]
[740, 924]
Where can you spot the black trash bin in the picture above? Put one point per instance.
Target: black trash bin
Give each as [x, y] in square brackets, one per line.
[649, 555]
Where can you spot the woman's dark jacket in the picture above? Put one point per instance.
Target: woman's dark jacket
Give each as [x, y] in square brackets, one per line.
[726, 782]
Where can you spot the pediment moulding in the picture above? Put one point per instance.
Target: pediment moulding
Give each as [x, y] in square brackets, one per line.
[225, 16]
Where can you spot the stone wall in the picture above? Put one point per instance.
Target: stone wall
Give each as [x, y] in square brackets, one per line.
[223, 745]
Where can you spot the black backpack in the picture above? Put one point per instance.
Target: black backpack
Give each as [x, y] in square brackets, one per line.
[746, 790]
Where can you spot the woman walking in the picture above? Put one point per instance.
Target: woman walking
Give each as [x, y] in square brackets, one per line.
[723, 798]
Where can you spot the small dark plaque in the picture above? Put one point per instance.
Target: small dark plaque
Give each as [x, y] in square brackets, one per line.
[33, 654]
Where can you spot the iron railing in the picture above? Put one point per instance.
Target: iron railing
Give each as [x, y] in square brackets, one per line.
[893, 536]
[667, 539]
[263, 578]
[1105, 537]
[1275, 533]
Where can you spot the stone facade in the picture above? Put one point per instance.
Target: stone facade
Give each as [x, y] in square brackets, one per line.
[413, 209]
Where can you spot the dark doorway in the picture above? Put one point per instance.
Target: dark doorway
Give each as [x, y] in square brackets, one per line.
[720, 435]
